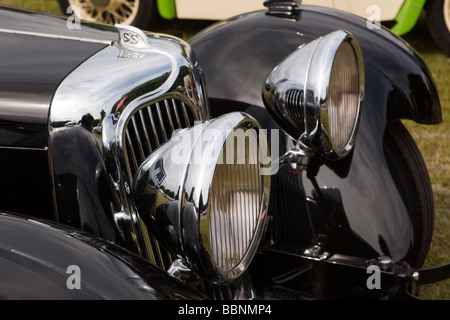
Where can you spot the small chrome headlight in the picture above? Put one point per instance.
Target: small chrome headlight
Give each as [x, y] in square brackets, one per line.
[204, 195]
[316, 94]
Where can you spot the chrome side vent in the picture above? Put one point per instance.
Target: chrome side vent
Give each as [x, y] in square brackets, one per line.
[294, 106]
[153, 125]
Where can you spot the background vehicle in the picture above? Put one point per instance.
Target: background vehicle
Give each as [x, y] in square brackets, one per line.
[224, 97]
[400, 14]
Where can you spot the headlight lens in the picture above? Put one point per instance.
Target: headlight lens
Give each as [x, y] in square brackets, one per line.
[343, 105]
[235, 202]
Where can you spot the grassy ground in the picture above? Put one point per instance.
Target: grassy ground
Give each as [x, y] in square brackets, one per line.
[50, 6]
[434, 141]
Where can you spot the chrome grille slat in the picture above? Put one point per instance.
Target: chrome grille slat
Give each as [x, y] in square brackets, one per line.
[161, 122]
[138, 139]
[131, 149]
[152, 123]
[146, 135]
[166, 103]
[186, 117]
[177, 116]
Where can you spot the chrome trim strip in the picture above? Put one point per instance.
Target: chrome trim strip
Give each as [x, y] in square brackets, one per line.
[24, 148]
[54, 36]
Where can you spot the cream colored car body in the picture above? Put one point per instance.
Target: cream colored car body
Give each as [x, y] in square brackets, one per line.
[222, 9]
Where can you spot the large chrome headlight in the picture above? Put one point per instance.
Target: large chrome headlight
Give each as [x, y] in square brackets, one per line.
[204, 194]
[316, 94]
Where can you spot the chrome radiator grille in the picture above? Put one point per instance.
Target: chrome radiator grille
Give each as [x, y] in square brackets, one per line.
[153, 125]
[147, 129]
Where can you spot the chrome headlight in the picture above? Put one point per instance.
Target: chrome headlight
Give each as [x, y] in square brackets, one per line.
[204, 194]
[316, 94]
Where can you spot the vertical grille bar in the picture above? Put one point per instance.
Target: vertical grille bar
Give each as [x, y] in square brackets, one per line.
[170, 122]
[177, 116]
[138, 140]
[146, 135]
[129, 145]
[153, 126]
[186, 117]
[161, 122]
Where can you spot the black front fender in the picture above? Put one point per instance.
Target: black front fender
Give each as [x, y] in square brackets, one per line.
[41, 260]
[238, 55]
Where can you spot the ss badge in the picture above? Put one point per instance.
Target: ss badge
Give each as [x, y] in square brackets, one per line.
[131, 38]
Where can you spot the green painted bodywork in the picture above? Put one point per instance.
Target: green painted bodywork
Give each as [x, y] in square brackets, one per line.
[167, 9]
[407, 16]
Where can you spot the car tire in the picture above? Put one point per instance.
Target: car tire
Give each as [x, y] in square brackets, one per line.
[411, 177]
[141, 14]
[438, 20]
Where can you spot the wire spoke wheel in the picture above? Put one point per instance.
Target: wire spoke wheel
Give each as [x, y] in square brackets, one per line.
[106, 11]
[438, 20]
[410, 173]
[447, 14]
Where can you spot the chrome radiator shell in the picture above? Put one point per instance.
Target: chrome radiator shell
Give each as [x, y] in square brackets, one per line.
[130, 100]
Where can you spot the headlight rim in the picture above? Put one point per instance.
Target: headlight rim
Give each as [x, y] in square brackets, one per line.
[328, 149]
[303, 119]
[207, 262]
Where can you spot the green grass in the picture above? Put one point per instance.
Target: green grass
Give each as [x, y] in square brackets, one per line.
[49, 6]
[433, 141]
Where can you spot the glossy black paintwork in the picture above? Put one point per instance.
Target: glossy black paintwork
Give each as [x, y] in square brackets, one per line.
[25, 183]
[38, 51]
[31, 68]
[35, 256]
[339, 277]
[237, 56]
[248, 47]
[84, 193]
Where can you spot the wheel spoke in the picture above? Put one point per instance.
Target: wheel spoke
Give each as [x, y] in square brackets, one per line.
[446, 10]
[117, 17]
[117, 11]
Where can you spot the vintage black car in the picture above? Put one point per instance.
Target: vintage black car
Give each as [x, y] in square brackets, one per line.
[264, 159]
